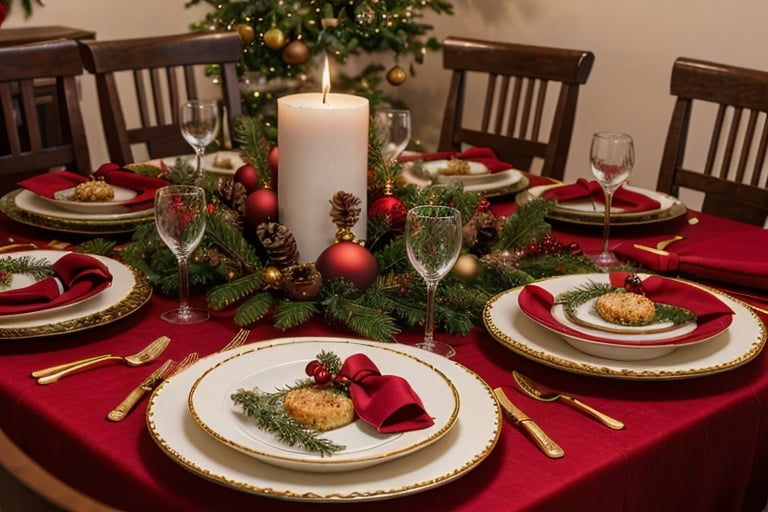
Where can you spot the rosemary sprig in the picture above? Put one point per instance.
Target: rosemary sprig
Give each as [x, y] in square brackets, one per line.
[664, 312]
[37, 268]
[267, 409]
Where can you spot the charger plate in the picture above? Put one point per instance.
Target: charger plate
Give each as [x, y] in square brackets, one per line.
[472, 439]
[737, 345]
[585, 211]
[272, 368]
[129, 291]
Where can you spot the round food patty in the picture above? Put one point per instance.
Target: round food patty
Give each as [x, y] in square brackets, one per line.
[625, 308]
[319, 408]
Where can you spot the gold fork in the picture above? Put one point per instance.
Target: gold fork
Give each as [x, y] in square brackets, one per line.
[167, 370]
[239, 338]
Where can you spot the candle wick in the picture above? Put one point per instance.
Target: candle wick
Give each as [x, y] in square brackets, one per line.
[325, 93]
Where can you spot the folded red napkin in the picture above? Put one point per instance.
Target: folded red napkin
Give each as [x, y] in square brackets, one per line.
[48, 184]
[385, 401]
[77, 277]
[733, 254]
[627, 200]
[712, 314]
[484, 156]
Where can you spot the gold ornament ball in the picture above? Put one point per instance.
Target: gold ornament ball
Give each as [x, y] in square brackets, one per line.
[467, 267]
[295, 52]
[274, 38]
[246, 33]
[396, 75]
[272, 276]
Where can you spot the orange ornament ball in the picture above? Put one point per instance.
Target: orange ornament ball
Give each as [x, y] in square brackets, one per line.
[295, 52]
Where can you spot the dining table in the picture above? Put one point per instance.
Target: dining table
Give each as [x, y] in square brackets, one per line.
[695, 441]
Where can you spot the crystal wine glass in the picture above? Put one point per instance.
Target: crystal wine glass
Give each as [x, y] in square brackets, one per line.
[199, 125]
[180, 213]
[433, 240]
[612, 156]
[393, 126]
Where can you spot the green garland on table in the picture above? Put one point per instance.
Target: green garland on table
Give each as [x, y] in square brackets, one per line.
[237, 273]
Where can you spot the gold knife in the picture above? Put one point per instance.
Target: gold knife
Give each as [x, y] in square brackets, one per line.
[121, 411]
[520, 419]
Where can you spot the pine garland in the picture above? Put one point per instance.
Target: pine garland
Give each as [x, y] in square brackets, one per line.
[37, 268]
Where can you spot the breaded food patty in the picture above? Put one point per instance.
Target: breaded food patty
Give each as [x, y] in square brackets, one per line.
[625, 308]
[319, 408]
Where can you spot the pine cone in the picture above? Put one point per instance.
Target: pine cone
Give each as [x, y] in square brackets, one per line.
[233, 194]
[279, 243]
[345, 209]
[487, 231]
[302, 282]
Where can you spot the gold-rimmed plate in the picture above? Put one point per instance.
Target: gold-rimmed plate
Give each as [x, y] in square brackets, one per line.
[587, 212]
[28, 208]
[737, 345]
[129, 291]
[272, 368]
[495, 184]
[462, 449]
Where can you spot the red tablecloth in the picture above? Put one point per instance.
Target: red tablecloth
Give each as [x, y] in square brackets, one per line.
[695, 444]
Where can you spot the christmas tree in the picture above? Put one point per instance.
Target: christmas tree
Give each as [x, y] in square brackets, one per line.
[282, 37]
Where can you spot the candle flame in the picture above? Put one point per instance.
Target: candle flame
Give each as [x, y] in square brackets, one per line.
[326, 80]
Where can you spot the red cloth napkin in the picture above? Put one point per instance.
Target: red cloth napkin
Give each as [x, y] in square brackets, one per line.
[48, 184]
[385, 401]
[735, 255]
[77, 277]
[625, 199]
[712, 314]
[484, 156]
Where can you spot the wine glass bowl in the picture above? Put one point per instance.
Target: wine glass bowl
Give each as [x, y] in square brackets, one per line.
[433, 239]
[199, 125]
[180, 213]
[612, 157]
[393, 127]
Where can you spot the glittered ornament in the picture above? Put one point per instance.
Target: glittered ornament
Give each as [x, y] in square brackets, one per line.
[295, 52]
[302, 282]
[260, 206]
[272, 276]
[350, 261]
[274, 38]
[391, 210]
[396, 75]
[246, 33]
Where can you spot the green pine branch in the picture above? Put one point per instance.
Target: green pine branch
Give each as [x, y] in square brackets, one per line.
[254, 309]
[225, 295]
[289, 314]
[363, 320]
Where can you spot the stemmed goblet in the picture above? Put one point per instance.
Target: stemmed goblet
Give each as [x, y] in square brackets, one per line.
[433, 240]
[180, 213]
[393, 126]
[199, 125]
[612, 156]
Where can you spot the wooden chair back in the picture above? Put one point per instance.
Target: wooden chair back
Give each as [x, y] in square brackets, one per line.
[163, 72]
[529, 101]
[36, 79]
[732, 105]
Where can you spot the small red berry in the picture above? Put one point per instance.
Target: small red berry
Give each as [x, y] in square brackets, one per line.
[322, 376]
[312, 367]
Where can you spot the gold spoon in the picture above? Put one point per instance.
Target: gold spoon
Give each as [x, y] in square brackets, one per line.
[545, 394]
[665, 243]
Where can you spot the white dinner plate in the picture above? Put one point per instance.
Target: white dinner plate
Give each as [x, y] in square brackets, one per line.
[273, 368]
[472, 439]
[223, 163]
[64, 200]
[585, 211]
[491, 184]
[737, 345]
[128, 292]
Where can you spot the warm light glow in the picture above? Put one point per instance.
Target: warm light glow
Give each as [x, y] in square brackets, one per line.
[326, 79]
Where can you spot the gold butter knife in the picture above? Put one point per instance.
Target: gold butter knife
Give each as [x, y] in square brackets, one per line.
[121, 411]
[520, 419]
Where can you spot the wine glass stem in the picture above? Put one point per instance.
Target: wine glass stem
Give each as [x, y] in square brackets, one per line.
[199, 153]
[607, 219]
[184, 309]
[429, 323]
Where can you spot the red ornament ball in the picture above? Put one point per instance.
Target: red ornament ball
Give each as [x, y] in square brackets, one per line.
[273, 157]
[390, 209]
[348, 260]
[260, 206]
[247, 176]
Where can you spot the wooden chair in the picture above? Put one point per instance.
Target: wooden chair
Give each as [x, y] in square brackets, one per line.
[163, 72]
[732, 105]
[517, 105]
[36, 77]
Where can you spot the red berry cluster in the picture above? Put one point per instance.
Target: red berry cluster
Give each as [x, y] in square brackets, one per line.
[551, 246]
[634, 284]
[321, 374]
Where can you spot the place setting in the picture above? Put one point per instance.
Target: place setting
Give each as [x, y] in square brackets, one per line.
[448, 420]
[626, 326]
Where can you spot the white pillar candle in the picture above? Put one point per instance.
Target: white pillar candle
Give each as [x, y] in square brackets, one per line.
[323, 149]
